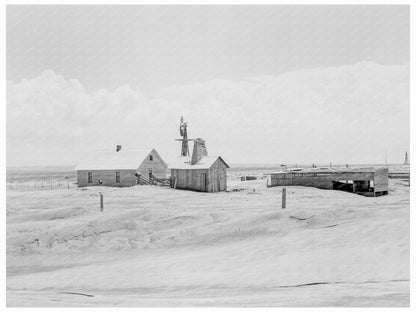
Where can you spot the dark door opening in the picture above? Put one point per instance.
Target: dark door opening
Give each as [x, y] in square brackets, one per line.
[362, 186]
[342, 186]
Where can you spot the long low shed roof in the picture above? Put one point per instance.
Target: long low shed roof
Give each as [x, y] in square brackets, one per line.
[335, 170]
[125, 159]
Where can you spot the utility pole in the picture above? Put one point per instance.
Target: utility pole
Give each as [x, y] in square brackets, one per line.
[101, 201]
[406, 159]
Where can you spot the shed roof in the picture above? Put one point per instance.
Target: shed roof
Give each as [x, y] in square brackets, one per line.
[335, 170]
[124, 159]
[205, 163]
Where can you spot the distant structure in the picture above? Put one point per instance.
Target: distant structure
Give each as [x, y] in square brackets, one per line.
[200, 172]
[184, 134]
[121, 167]
[362, 181]
[406, 159]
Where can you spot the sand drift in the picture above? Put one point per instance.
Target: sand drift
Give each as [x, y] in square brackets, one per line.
[154, 246]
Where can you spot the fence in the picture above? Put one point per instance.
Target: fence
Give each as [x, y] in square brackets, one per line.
[161, 182]
[44, 184]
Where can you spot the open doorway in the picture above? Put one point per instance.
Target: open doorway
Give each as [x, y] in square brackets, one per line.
[343, 185]
[354, 186]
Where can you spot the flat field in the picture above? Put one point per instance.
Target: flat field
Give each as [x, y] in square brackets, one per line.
[156, 246]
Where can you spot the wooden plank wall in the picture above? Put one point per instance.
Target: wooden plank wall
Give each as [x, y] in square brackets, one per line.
[318, 180]
[216, 178]
[381, 180]
[189, 179]
[127, 177]
[157, 166]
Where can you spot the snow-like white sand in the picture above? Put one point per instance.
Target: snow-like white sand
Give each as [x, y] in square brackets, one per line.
[155, 246]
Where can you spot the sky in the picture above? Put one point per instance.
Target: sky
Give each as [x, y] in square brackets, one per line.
[261, 84]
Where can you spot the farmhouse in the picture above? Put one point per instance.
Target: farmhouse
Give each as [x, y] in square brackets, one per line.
[121, 167]
[199, 172]
[363, 181]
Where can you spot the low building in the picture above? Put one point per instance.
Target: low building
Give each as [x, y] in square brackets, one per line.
[121, 167]
[200, 172]
[363, 181]
[208, 175]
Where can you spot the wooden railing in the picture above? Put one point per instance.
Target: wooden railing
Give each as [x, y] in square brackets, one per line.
[161, 181]
[143, 181]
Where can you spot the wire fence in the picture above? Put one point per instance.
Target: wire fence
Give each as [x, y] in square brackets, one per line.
[44, 184]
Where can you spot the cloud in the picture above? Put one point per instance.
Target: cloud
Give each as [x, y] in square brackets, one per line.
[341, 114]
[53, 119]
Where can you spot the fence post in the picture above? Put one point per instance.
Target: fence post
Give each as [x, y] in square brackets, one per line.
[283, 198]
[101, 201]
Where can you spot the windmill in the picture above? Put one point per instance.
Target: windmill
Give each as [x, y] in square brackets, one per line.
[184, 134]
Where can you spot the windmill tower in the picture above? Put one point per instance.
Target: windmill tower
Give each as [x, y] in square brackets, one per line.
[184, 134]
[406, 159]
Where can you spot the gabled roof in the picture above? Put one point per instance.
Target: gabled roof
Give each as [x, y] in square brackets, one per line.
[124, 159]
[185, 163]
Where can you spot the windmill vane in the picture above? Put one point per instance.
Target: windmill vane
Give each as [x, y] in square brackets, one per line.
[184, 134]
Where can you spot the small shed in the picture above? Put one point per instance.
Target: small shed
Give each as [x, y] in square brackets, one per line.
[207, 175]
[368, 181]
[121, 167]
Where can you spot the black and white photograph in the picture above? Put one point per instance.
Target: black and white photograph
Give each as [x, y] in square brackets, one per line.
[212, 155]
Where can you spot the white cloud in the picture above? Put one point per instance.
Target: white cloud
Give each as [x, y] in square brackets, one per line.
[345, 114]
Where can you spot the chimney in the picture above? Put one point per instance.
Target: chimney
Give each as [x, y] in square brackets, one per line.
[199, 151]
[118, 147]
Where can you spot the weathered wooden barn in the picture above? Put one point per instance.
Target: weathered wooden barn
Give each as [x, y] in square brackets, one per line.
[363, 181]
[121, 167]
[208, 175]
[199, 172]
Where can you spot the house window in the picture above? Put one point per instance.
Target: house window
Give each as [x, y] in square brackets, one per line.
[117, 176]
[89, 177]
[151, 157]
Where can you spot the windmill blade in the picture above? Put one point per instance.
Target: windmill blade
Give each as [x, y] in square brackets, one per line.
[184, 139]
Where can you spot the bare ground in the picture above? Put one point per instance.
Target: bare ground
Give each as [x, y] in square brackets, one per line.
[155, 246]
